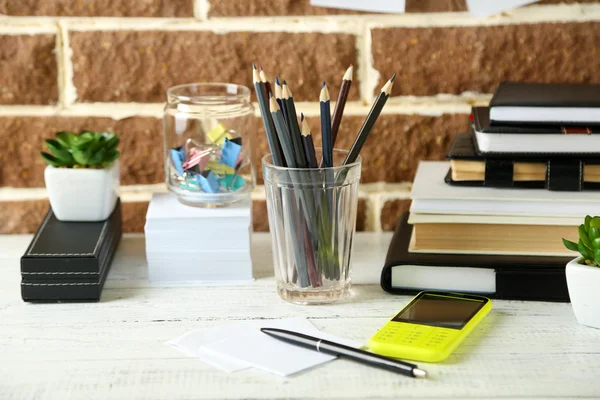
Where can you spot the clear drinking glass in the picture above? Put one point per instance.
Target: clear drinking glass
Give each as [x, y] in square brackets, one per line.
[207, 130]
[312, 218]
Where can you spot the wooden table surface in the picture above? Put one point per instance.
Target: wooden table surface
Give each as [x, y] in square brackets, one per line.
[115, 349]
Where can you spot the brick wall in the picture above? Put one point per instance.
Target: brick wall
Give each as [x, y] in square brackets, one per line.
[105, 64]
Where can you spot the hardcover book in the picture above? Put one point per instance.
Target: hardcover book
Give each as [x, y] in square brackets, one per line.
[69, 261]
[557, 103]
[538, 278]
[531, 140]
[431, 195]
[519, 170]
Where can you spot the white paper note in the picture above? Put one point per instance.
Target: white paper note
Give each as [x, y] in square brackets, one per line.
[384, 6]
[191, 344]
[485, 8]
[272, 355]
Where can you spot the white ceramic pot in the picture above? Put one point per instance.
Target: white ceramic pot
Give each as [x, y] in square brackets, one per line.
[81, 194]
[583, 282]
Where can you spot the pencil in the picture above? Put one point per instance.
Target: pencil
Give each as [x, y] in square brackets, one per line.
[338, 111]
[279, 97]
[292, 121]
[283, 134]
[268, 124]
[269, 92]
[326, 127]
[265, 81]
[309, 146]
[367, 126]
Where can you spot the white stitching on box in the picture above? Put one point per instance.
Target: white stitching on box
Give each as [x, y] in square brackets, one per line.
[58, 284]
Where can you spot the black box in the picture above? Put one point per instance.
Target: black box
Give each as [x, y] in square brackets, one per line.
[69, 261]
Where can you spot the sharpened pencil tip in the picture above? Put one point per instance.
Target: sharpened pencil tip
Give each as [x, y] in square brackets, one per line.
[348, 74]
[301, 117]
[393, 77]
[284, 82]
[323, 85]
[253, 66]
[260, 67]
[277, 81]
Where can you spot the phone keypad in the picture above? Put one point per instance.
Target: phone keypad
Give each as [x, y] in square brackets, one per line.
[415, 336]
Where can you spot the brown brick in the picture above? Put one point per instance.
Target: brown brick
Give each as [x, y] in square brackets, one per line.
[22, 216]
[22, 138]
[28, 69]
[98, 8]
[391, 211]
[26, 216]
[361, 215]
[144, 64]
[395, 146]
[458, 59]
[134, 216]
[260, 218]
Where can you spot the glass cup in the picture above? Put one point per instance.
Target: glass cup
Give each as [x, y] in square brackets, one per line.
[207, 130]
[312, 219]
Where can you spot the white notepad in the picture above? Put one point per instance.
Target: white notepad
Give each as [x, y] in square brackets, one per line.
[238, 346]
[272, 355]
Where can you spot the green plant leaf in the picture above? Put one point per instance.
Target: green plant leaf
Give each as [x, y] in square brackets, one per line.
[97, 158]
[596, 243]
[110, 158]
[59, 151]
[595, 222]
[570, 245]
[83, 140]
[584, 251]
[82, 157]
[593, 233]
[50, 159]
[586, 222]
[597, 257]
[65, 139]
[112, 141]
[583, 236]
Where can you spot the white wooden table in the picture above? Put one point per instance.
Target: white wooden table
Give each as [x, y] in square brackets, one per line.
[115, 349]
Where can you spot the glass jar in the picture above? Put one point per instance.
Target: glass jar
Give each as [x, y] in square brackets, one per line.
[207, 129]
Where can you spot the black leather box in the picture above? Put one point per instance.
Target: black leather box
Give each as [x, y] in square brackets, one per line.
[69, 261]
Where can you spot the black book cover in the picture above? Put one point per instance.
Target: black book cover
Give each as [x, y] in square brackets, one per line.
[482, 123]
[69, 261]
[563, 173]
[537, 278]
[520, 94]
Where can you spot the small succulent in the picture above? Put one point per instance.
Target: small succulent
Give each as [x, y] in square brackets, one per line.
[82, 150]
[589, 241]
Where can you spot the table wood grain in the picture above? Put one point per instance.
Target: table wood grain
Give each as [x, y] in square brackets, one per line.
[115, 349]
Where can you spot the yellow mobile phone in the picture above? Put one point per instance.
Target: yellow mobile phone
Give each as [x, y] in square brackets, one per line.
[431, 326]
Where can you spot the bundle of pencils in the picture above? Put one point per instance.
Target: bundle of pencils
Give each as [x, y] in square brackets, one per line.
[291, 145]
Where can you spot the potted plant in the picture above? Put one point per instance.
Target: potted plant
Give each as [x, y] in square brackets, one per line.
[583, 273]
[82, 176]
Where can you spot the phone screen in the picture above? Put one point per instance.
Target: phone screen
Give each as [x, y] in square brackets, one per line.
[443, 311]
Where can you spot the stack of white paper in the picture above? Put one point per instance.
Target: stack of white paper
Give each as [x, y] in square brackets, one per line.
[241, 345]
[186, 243]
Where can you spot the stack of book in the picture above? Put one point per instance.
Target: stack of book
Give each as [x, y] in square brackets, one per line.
[190, 244]
[491, 220]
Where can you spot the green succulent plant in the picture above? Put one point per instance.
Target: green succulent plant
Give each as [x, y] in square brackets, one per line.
[589, 241]
[82, 150]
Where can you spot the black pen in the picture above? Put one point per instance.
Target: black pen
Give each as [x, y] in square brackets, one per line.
[336, 349]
